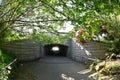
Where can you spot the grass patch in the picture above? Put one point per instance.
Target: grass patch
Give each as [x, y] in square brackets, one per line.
[7, 71]
[5, 59]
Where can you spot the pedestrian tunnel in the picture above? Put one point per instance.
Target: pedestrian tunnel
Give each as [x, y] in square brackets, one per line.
[55, 50]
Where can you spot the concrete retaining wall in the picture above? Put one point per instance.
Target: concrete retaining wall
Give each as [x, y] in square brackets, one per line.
[25, 50]
[87, 52]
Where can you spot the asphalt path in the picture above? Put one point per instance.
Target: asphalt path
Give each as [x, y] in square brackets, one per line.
[53, 68]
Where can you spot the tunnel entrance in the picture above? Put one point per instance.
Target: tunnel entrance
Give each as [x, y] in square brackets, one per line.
[55, 50]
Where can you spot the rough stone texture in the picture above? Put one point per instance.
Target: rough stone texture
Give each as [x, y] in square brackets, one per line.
[87, 52]
[96, 49]
[25, 50]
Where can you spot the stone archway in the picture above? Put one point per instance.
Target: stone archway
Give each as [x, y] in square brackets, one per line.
[55, 50]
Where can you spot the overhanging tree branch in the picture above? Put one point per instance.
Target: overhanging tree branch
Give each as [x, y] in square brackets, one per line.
[37, 21]
[13, 12]
[55, 9]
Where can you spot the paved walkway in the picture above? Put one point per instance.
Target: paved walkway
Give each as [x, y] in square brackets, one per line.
[52, 68]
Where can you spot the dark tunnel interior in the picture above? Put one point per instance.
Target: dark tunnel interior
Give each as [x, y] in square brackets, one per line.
[55, 50]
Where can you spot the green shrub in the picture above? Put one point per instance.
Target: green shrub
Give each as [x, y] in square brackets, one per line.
[5, 59]
[6, 72]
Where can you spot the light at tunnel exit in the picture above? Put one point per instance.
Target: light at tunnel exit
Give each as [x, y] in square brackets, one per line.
[55, 48]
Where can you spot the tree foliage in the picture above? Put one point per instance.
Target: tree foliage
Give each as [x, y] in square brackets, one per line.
[50, 15]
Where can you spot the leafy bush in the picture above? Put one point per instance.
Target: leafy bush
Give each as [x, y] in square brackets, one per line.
[5, 59]
[6, 70]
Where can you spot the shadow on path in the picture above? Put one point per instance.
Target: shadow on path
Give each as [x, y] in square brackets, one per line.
[52, 68]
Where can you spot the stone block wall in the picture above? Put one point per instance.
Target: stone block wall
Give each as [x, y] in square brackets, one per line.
[25, 50]
[87, 52]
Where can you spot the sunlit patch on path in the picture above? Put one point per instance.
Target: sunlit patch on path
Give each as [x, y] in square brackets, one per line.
[65, 77]
[84, 71]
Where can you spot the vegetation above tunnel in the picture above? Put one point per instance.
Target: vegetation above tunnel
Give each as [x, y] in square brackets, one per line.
[21, 18]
